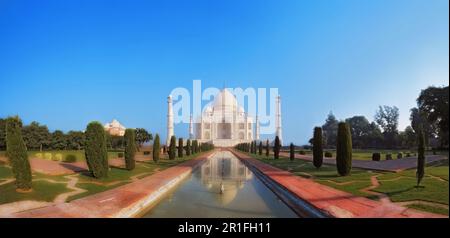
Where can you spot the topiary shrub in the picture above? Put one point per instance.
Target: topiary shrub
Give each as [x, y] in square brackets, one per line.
[16, 151]
[48, 156]
[58, 157]
[172, 148]
[302, 152]
[188, 147]
[292, 152]
[376, 156]
[276, 147]
[388, 156]
[39, 155]
[260, 148]
[180, 147]
[146, 152]
[130, 148]
[420, 172]
[95, 150]
[120, 154]
[328, 154]
[156, 148]
[70, 158]
[317, 147]
[399, 155]
[344, 149]
[267, 148]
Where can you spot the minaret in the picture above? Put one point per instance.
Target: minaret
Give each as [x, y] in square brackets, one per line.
[257, 129]
[278, 119]
[169, 120]
[191, 129]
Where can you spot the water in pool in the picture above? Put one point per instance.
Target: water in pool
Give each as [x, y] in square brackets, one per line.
[222, 187]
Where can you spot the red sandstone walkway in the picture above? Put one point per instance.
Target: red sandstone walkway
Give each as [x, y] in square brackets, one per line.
[395, 165]
[334, 202]
[123, 201]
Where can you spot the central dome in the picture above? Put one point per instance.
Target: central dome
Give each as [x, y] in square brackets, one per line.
[225, 100]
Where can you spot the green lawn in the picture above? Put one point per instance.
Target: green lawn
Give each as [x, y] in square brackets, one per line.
[64, 155]
[400, 187]
[42, 191]
[47, 191]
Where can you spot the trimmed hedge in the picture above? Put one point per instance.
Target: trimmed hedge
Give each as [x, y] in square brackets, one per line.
[180, 147]
[267, 148]
[276, 148]
[292, 152]
[188, 147]
[130, 149]
[399, 155]
[16, 151]
[388, 156]
[344, 149]
[95, 150]
[328, 154]
[317, 147]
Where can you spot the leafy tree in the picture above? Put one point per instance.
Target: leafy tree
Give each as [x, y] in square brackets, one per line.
[267, 148]
[16, 151]
[115, 142]
[276, 147]
[433, 101]
[420, 157]
[318, 147]
[291, 152]
[387, 118]
[156, 148]
[180, 148]
[408, 138]
[344, 149]
[173, 147]
[330, 130]
[188, 147]
[130, 148]
[96, 151]
[37, 136]
[260, 149]
[360, 129]
[142, 136]
[75, 140]
[58, 140]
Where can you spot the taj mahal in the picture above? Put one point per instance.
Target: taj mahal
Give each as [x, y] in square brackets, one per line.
[224, 123]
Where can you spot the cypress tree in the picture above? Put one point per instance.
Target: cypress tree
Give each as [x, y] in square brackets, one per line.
[267, 148]
[194, 147]
[180, 148]
[420, 156]
[292, 152]
[188, 147]
[276, 148]
[130, 148]
[344, 149]
[95, 150]
[16, 151]
[156, 148]
[260, 148]
[172, 147]
[317, 147]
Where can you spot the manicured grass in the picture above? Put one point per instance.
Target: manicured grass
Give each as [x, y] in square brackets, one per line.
[47, 191]
[42, 191]
[424, 207]
[399, 187]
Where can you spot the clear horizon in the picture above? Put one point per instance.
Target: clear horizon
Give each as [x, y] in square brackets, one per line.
[66, 63]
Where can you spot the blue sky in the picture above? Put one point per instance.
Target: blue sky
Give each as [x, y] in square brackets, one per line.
[65, 63]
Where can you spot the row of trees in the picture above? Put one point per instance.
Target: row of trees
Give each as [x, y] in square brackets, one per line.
[191, 147]
[38, 137]
[431, 114]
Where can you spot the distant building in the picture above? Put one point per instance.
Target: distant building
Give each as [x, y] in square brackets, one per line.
[115, 128]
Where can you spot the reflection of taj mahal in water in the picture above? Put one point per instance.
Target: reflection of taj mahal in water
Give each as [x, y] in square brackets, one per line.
[225, 123]
[224, 175]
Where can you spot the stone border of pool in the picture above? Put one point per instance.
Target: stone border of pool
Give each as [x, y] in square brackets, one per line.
[310, 199]
[129, 200]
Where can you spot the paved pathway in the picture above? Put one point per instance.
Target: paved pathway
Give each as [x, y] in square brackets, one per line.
[395, 165]
[332, 201]
[123, 201]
